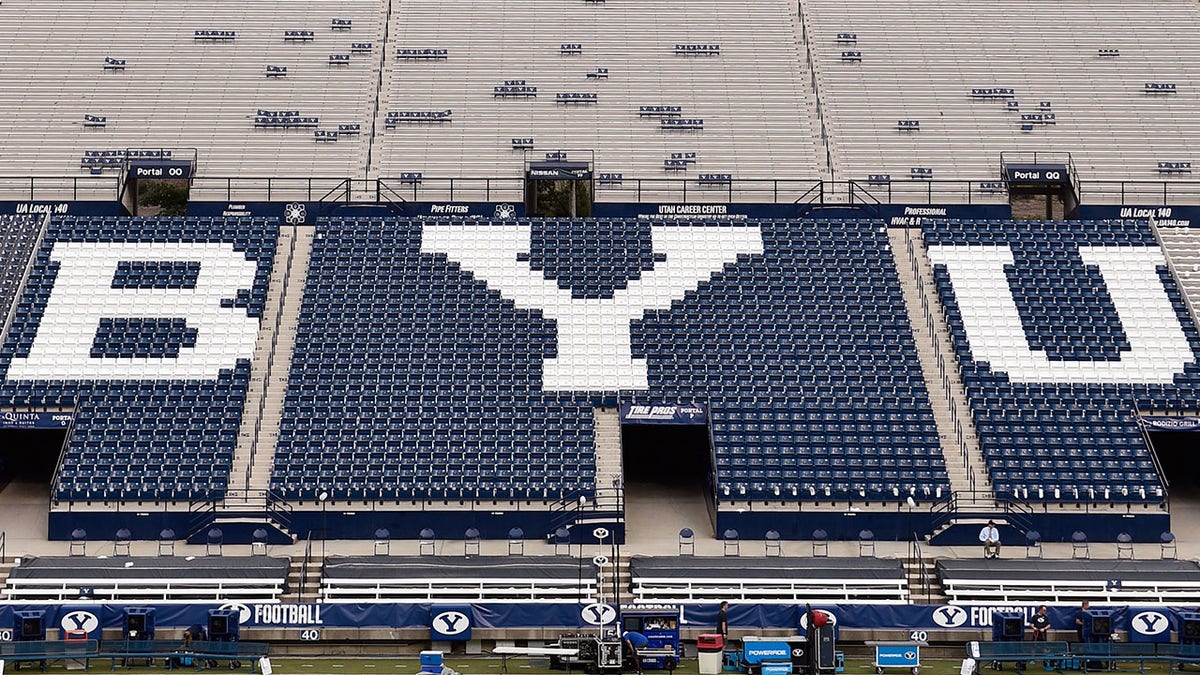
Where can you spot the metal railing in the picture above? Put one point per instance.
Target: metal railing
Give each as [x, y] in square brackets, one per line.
[3, 548]
[266, 381]
[604, 501]
[1158, 468]
[898, 190]
[303, 583]
[916, 558]
[1139, 192]
[61, 188]
[949, 386]
[1017, 512]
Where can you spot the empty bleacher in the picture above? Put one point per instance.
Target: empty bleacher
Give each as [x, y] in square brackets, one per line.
[1085, 63]
[413, 379]
[1058, 354]
[192, 77]
[155, 419]
[169, 579]
[767, 580]
[492, 579]
[755, 126]
[1141, 582]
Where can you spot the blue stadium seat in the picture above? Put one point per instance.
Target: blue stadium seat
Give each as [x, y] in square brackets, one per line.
[142, 440]
[402, 361]
[1086, 434]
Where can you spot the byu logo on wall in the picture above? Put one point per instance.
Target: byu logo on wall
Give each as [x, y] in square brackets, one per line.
[450, 623]
[80, 620]
[244, 612]
[595, 351]
[598, 614]
[1150, 623]
[1157, 347]
[949, 616]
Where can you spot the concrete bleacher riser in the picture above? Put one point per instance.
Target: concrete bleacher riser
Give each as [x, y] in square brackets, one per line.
[921, 59]
[755, 126]
[180, 92]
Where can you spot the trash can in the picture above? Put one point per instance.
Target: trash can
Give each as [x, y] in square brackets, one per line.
[710, 649]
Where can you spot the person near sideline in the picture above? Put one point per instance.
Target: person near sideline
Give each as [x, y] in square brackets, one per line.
[634, 641]
[989, 536]
[1040, 623]
[723, 621]
[1083, 608]
[194, 632]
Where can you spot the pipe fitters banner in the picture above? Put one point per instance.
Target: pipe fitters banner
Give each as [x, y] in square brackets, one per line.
[1139, 621]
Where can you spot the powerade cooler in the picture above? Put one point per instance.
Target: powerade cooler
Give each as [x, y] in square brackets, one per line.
[766, 656]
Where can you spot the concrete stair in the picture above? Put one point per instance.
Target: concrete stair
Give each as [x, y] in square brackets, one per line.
[302, 587]
[605, 578]
[924, 586]
[255, 454]
[947, 394]
[607, 425]
[5, 569]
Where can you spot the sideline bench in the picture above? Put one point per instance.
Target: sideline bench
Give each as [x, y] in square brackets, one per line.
[49, 650]
[1145, 652]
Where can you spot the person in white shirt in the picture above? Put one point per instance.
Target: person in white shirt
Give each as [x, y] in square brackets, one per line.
[989, 536]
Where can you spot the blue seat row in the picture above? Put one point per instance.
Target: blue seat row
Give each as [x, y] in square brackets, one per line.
[1084, 437]
[408, 343]
[156, 440]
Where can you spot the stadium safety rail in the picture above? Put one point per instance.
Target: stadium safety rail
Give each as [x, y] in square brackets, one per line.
[893, 190]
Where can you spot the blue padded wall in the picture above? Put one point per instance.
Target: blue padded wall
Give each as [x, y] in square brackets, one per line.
[1053, 439]
[412, 378]
[153, 439]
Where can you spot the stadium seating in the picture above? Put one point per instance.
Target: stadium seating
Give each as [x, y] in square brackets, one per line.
[938, 62]
[412, 379]
[18, 237]
[162, 439]
[189, 78]
[1056, 418]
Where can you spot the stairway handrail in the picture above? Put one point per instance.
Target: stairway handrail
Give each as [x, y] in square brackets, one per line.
[940, 357]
